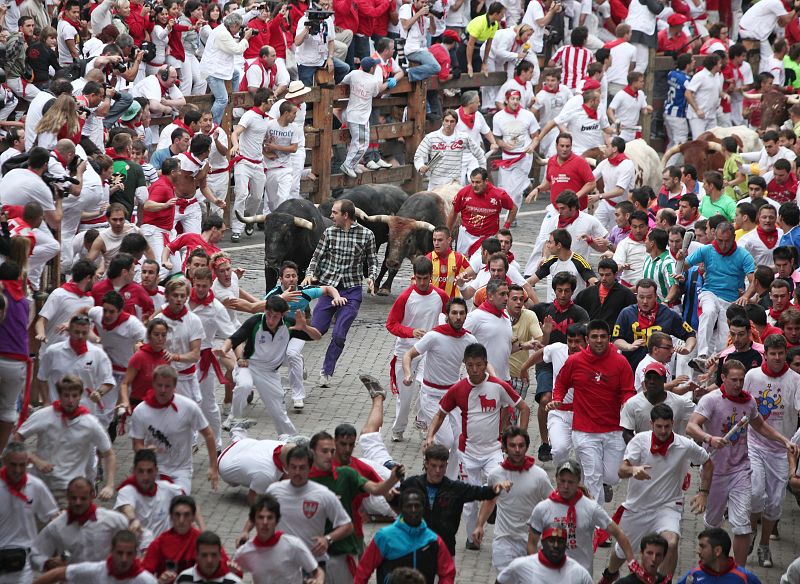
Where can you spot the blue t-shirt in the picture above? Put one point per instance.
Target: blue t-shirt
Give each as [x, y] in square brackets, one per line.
[675, 104]
[724, 275]
[737, 575]
[307, 294]
[792, 237]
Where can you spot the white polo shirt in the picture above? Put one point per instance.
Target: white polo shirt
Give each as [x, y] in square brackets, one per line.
[90, 542]
[252, 139]
[496, 335]
[762, 254]
[250, 463]
[71, 446]
[118, 343]
[152, 512]
[513, 507]
[21, 186]
[530, 569]
[170, 432]
[444, 355]
[304, 511]
[97, 573]
[667, 472]
[59, 307]
[18, 518]
[635, 414]
[283, 562]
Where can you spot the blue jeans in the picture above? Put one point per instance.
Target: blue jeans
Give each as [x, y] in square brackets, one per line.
[220, 93]
[428, 65]
[306, 73]
[345, 315]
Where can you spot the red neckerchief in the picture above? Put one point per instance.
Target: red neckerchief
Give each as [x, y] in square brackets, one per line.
[769, 373]
[259, 112]
[80, 347]
[14, 289]
[527, 464]
[660, 448]
[712, 572]
[131, 480]
[510, 256]
[515, 113]
[205, 301]
[768, 239]
[572, 514]
[167, 311]
[742, 398]
[719, 251]
[617, 159]
[522, 83]
[147, 348]
[276, 457]
[60, 158]
[687, 222]
[150, 400]
[468, 119]
[776, 314]
[135, 569]
[77, 25]
[316, 473]
[592, 113]
[646, 578]
[547, 563]
[276, 537]
[154, 292]
[611, 44]
[15, 489]
[632, 238]
[123, 317]
[89, 515]
[629, 90]
[562, 309]
[564, 223]
[77, 412]
[647, 319]
[73, 288]
[491, 309]
[449, 331]
[548, 90]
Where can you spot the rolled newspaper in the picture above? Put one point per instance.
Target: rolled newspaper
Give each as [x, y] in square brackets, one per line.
[732, 432]
[688, 238]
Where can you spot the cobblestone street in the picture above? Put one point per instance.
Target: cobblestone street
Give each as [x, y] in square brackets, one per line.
[369, 347]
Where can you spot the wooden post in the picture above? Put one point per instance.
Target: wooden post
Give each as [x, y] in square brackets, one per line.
[226, 123]
[416, 114]
[322, 156]
[649, 84]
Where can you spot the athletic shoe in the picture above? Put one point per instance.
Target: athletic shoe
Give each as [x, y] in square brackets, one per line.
[383, 164]
[324, 380]
[608, 493]
[227, 423]
[471, 545]
[359, 169]
[775, 535]
[373, 386]
[764, 556]
[372, 165]
[235, 237]
[347, 171]
[397, 436]
[298, 404]
[545, 452]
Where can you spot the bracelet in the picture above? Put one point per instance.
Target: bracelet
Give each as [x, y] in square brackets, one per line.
[703, 491]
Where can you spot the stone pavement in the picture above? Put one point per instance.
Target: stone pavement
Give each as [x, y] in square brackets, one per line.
[369, 349]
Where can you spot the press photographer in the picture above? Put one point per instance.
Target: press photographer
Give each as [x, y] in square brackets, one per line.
[314, 44]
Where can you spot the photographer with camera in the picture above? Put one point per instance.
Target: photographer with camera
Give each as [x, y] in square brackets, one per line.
[314, 44]
[140, 25]
[103, 106]
[25, 185]
[218, 60]
[413, 20]
[259, 25]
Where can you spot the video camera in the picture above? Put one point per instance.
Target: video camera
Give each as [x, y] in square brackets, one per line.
[59, 184]
[315, 18]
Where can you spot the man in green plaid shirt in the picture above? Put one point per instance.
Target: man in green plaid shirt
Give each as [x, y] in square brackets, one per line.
[659, 265]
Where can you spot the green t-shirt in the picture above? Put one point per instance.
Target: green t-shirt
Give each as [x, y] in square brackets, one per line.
[133, 178]
[480, 28]
[724, 206]
[729, 171]
[347, 485]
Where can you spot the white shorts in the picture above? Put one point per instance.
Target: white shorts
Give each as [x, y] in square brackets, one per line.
[733, 492]
[189, 387]
[637, 524]
[505, 550]
[770, 475]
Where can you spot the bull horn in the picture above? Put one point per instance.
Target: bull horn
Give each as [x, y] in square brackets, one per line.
[303, 223]
[669, 154]
[360, 214]
[378, 218]
[424, 225]
[538, 159]
[250, 220]
[793, 99]
[592, 162]
[715, 147]
[749, 95]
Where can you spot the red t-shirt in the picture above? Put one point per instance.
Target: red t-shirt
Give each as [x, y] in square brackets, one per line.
[677, 44]
[259, 39]
[442, 56]
[191, 241]
[137, 300]
[572, 176]
[480, 214]
[144, 362]
[138, 25]
[782, 192]
[179, 550]
[161, 191]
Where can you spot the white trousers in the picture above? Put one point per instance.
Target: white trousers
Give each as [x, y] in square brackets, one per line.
[734, 492]
[405, 396]
[209, 405]
[450, 431]
[218, 183]
[677, 130]
[476, 471]
[278, 186]
[24, 576]
[559, 427]
[192, 81]
[769, 478]
[191, 219]
[188, 387]
[505, 550]
[638, 524]
[157, 239]
[46, 248]
[294, 362]
[465, 240]
[712, 329]
[642, 56]
[359, 141]
[699, 126]
[248, 190]
[12, 383]
[600, 456]
[515, 179]
[69, 228]
[27, 91]
[268, 385]
[298, 160]
[337, 571]
[605, 214]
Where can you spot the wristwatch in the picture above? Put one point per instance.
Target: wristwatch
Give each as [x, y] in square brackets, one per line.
[329, 539]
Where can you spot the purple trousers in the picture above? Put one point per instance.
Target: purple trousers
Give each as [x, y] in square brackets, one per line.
[345, 315]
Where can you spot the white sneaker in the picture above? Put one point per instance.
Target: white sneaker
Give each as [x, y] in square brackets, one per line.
[298, 404]
[383, 164]
[228, 422]
[348, 171]
[372, 165]
[324, 380]
[359, 169]
[397, 436]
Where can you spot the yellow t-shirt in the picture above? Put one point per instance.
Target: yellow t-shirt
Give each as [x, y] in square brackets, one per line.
[480, 28]
[525, 329]
[739, 232]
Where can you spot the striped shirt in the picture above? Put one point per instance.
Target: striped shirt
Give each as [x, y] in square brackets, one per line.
[661, 270]
[573, 62]
[452, 148]
[340, 254]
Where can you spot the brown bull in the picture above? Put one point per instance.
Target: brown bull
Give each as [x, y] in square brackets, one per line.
[774, 106]
[704, 154]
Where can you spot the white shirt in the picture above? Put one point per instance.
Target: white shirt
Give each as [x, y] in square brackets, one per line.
[416, 36]
[622, 56]
[216, 322]
[21, 186]
[118, 342]
[298, 123]
[249, 463]
[251, 140]
[496, 335]
[90, 542]
[586, 132]
[707, 88]
[282, 136]
[180, 336]
[775, 66]
[765, 161]
[515, 131]
[304, 511]
[479, 128]
[668, 472]
[529, 569]
[585, 224]
[638, 375]
[150, 88]
[222, 293]
[549, 105]
[97, 573]
[18, 518]
[778, 400]
[258, 76]
[627, 110]
[760, 19]
[219, 52]
[170, 432]
[152, 512]
[59, 307]
[632, 253]
[622, 175]
[282, 563]
[588, 516]
[34, 116]
[66, 32]
[69, 445]
[363, 88]
[528, 94]
[444, 356]
[534, 12]
[635, 414]
[416, 310]
[314, 50]
[757, 248]
[513, 507]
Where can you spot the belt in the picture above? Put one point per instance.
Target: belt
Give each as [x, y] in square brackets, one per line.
[189, 370]
[119, 368]
[436, 385]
